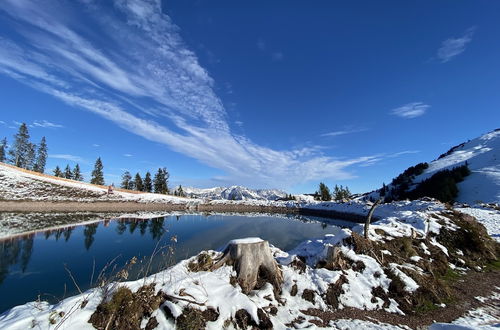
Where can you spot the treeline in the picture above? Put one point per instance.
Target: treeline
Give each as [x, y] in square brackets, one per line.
[402, 182]
[158, 184]
[23, 153]
[339, 193]
[68, 173]
[442, 185]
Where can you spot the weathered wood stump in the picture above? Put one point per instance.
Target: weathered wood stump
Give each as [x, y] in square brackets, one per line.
[369, 217]
[254, 264]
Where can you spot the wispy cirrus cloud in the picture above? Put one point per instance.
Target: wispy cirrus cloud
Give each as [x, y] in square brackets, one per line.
[411, 110]
[46, 124]
[454, 46]
[346, 130]
[149, 83]
[127, 155]
[72, 158]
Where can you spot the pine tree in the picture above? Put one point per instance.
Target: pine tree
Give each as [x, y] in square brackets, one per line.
[180, 192]
[41, 158]
[77, 175]
[67, 173]
[160, 181]
[126, 178]
[30, 157]
[138, 184]
[324, 192]
[20, 148]
[97, 174]
[57, 172]
[148, 185]
[3, 150]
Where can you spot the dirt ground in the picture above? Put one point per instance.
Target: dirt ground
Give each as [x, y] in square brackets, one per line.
[68, 206]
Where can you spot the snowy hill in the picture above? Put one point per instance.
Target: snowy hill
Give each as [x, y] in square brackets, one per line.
[483, 157]
[18, 184]
[235, 193]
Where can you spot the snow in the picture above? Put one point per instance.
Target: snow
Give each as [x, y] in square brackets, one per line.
[483, 157]
[19, 184]
[248, 240]
[234, 193]
[347, 324]
[490, 218]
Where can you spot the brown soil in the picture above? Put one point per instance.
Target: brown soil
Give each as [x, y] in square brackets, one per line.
[469, 286]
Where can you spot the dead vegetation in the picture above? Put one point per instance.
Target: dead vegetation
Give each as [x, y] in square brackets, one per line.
[125, 310]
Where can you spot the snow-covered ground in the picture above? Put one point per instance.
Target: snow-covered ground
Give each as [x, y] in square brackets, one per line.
[489, 217]
[302, 288]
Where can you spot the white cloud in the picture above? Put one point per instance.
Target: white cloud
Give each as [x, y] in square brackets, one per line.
[46, 124]
[127, 155]
[261, 45]
[149, 84]
[277, 56]
[95, 145]
[454, 46]
[347, 130]
[411, 110]
[73, 158]
[406, 152]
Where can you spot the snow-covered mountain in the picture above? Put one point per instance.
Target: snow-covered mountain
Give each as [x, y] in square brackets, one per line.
[483, 158]
[235, 193]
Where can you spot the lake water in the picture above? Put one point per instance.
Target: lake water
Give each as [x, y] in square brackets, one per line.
[33, 266]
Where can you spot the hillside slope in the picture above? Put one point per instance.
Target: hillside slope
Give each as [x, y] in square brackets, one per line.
[20, 184]
[483, 158]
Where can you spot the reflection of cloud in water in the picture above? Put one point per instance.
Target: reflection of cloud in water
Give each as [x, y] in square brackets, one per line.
[21, 274]
[282, 233]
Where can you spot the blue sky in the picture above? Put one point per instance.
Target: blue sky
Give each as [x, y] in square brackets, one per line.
[280, 94]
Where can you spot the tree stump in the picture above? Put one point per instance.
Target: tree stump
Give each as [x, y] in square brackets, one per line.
[253, 262]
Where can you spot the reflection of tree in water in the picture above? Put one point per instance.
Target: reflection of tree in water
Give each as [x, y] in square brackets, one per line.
[10, 250]
[67, 233]
[143, 225]
[121, 227]
[132, 226]
[89, 233]
[156, 227]
[27, 251]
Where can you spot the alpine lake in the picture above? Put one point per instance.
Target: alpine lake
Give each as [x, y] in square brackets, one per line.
[49, 265]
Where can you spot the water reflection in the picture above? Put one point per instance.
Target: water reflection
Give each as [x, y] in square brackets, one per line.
[15, 251]
[27, 262]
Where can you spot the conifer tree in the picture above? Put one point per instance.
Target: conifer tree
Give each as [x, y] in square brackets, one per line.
[138, 184]
[21, 147]
[160, 181]
[77, 174]
[41, 158]
[126, 178]
[324, 192]
[180, 192]
[30, 157]
[147, 183]
[57, 172]
[67, 172]
[97, 174]
[3, 150]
